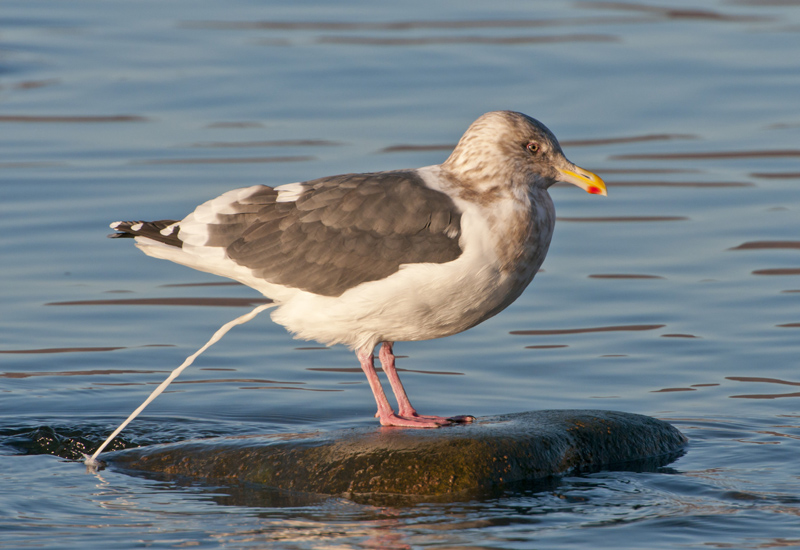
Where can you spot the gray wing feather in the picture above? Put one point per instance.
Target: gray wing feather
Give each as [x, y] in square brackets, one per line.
[341, 231]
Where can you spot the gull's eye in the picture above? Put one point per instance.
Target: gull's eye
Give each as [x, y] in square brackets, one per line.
[532, 147]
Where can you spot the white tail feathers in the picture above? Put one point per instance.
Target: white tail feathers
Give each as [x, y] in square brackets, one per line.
[91, 461]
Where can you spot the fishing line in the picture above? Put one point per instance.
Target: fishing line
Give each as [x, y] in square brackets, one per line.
[91, 461]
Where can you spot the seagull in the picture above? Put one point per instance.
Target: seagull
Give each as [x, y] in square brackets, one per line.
[377, 258]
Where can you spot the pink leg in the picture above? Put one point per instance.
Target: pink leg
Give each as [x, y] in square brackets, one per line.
[405, 410]
[385, 414]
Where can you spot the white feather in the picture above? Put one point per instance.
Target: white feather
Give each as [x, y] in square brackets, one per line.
[167, 231]
[290, 192]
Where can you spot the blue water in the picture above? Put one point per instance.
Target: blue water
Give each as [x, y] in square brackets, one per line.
[112, 110]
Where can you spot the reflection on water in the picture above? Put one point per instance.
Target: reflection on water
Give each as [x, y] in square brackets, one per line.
[429, 40]
[236, 125]
[628, 139]
[767, 245]
[270, 143]
[694, 155]
[547, 346]
[402, 25]
[551, 332]
[673, 13]
[229, 160]
[203, 301]
[700, 184]
[216, 283]
[55, 350]
[776, 175]
[105, 372]
[649, 171]
[764, 380]
[413, 148]
[778, 271]
[71, 119]
[626, 219]
[623, 276]
[765, 395]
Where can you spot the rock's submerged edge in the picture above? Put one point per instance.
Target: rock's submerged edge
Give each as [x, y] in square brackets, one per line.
[390, 461]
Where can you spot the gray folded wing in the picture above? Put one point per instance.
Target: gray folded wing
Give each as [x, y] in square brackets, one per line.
[340, 231]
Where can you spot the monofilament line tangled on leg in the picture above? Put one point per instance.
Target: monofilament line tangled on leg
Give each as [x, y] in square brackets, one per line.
[91, 461]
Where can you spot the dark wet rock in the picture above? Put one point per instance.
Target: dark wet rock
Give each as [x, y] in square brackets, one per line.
[391, 461]
[65, 442]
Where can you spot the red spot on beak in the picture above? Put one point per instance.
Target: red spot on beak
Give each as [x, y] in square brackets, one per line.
[595, 190]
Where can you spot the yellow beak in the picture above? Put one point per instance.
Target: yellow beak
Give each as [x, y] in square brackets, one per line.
[588, 181]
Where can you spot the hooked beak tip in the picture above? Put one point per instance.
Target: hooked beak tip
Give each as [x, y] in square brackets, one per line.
[586, 180]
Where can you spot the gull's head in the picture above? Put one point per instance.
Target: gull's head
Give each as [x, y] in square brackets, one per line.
[511, 147]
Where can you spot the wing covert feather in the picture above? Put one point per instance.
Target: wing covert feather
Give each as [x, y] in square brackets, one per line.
[340, 231]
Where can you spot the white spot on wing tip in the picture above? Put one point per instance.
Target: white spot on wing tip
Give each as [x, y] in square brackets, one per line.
[137, 227]
[114, 225]
[169, 230]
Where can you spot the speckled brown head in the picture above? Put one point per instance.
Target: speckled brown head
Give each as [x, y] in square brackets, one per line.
[510, 147]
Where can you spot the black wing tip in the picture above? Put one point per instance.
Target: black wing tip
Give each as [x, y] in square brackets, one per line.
[151, 230]
[120, 235]
[125, 230]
